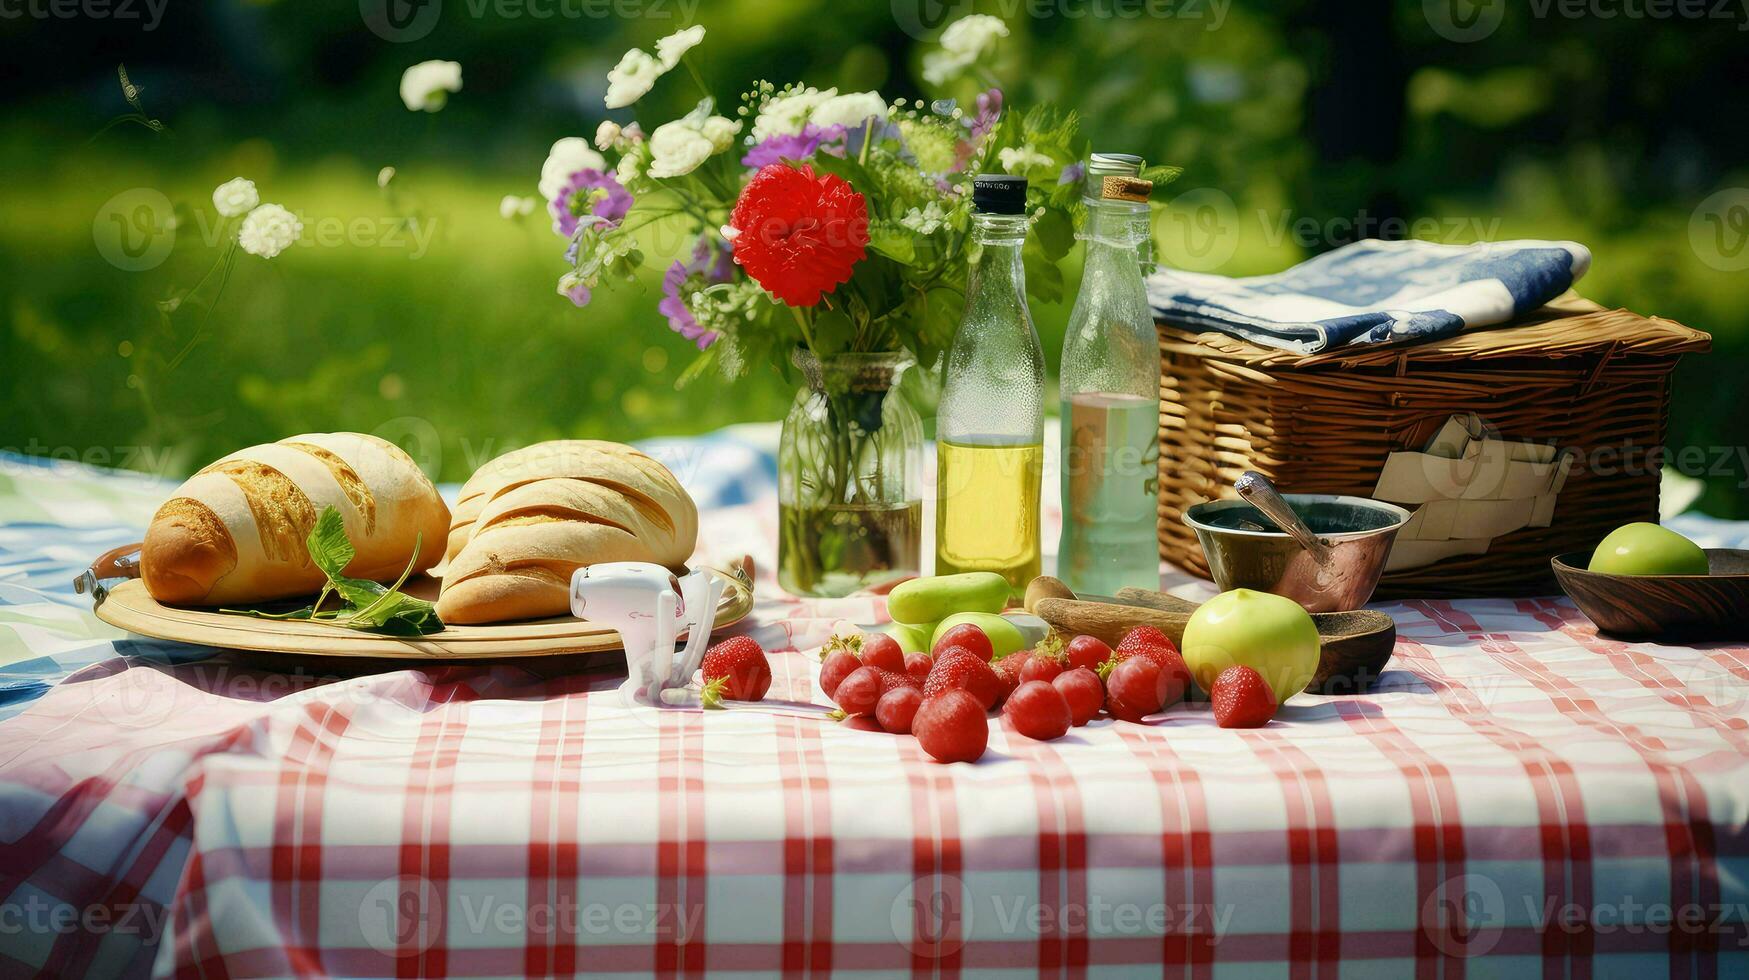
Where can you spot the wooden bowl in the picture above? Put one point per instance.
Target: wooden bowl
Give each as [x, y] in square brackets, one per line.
[1675, 607]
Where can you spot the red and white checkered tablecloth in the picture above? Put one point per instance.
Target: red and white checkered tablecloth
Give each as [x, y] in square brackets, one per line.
[1519, 789]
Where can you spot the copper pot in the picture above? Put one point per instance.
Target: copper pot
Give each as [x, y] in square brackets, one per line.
[1245, 550]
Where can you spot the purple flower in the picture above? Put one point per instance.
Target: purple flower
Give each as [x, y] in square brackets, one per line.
[1072, 173]
[989, 110]
[589, 191]
[794, 146]
[574, 289]
[709, 265]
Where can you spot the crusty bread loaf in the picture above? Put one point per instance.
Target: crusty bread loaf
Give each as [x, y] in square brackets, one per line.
[234, 532]
[528, 519]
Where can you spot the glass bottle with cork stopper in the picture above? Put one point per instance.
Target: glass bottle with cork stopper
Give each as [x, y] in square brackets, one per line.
[1110, 391]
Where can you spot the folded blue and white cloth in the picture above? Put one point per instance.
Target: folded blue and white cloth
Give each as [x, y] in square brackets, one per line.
[1374, 292]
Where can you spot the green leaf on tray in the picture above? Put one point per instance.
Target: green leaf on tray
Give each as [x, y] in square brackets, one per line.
[370, 606]
[328, 544]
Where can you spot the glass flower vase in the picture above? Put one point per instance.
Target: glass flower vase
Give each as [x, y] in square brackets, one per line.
[849, 468]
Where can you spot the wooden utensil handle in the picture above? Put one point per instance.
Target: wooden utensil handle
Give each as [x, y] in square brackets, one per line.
[1108, 621]
[1162, 601]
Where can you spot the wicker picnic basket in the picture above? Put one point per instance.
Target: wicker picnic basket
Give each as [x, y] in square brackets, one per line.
[1574, 375]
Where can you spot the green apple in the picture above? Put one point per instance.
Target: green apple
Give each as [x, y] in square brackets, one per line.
[912, 639]
[1647, 549]
[1271, 634]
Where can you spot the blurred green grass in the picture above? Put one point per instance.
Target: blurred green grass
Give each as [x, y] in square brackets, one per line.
[464, 336]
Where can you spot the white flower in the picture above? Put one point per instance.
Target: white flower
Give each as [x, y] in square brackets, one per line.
[425, 87]
[607, 135]
[678, 148]
[925, 221]
[973, 36]
[628, 169]
[235, 197]
[384, 176]
[631, 78]
[515, 207]
[786, 115]
[569, 155]
[1020, 159]
[670, 49]
[849, 110]
[720, 131]
[963, 43]
[269, 230]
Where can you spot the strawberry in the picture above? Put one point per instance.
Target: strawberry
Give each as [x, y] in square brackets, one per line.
[1039, 711]
[918, 664]
[1042, 667]
[1083, 692]
[952, 727]
[1142, 638]
[892, 680]
[735, 669]
[839, 664]
[945, 653]
[857, 694]
[897, 708]
[963, 672]
[1242, 698]
[1088, 651]
[881, 650]
[969, 637]
[1146, 641]
[1135, 688]
[1009, 671]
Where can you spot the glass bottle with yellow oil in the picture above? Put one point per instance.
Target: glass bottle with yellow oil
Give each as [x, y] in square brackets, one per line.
[990, 424]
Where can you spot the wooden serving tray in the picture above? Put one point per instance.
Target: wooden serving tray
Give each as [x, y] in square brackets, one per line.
[129, 606]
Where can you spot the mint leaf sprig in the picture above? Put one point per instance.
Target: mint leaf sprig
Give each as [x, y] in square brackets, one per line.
[365, 605]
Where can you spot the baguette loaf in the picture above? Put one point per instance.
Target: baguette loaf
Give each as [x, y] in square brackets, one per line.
[528, 519]
[234, 532]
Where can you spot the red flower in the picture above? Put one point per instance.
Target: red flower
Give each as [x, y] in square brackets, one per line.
[799, 235]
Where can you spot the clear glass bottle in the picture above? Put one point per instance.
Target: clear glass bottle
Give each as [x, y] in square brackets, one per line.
[849, 468]
[1110, 389]
[990, 424]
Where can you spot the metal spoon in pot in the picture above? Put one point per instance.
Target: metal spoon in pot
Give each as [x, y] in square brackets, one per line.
[1257, 491]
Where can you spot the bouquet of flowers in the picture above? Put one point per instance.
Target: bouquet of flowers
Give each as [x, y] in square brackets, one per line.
[831, 221]
[813, 224]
